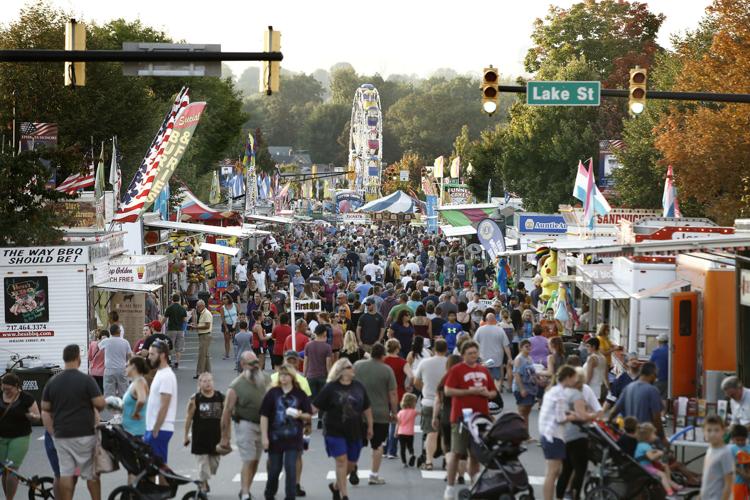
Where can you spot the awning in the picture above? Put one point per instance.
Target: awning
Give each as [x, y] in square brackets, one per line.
[210, 247]
[114, 286]
[236, 231]
[276, 219]
[453, 231]
[608, 291]
[658, 290]
[395, 203]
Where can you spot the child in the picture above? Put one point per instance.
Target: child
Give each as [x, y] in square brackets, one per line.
[718, 464]
[451, 330]
[741, 453]
[405, 427]
[203, 424]
[628, 441]
[647, 456]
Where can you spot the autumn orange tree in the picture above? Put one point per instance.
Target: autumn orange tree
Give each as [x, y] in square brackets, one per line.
[708, 143]
[390, 179]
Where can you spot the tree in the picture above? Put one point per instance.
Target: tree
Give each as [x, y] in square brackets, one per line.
[391, 176]
[542, 145]
[248, 82]
[344, 82]
[485, 154]
[29, 209]
[707, 144]
[320, 131]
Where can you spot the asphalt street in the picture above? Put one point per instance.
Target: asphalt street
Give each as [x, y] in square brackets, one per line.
[401, 483]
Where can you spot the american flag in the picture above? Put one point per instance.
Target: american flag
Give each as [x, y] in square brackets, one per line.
[618, 144]
[37, 133]
[134, 200]
[78, 181]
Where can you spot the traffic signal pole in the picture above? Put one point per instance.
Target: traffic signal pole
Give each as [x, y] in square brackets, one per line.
[656, 94]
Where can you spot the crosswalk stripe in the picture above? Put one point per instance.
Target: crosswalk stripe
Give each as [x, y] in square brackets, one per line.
[362, 474]
[260, 477]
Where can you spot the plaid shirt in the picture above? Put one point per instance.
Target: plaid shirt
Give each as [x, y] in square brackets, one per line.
[552, 415]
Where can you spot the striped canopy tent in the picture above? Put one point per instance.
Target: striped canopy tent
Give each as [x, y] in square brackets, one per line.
[395, 203]
[466, 215]
[192, 210]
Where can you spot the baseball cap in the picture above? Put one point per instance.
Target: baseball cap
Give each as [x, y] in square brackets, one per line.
[466, 283]
[156, 325]
[291, 354]
[631, 355]
[663, 337]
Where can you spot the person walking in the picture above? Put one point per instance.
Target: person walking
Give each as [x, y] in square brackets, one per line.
[317, 363]
[402, 372]
[117, 351]
[202, 323]
[18, 410]
[739, 400]
[243, 341]
[161, 408]
[402, 330]
[426, 378]
[203, 428]
[346, 403]
[405, 427]
[553, 416]
[135, 398]
[494, 345]
[380, 383]
[70, 401]
[229, 313]
[176, 315]
[242, 406]
[96, 358]
[370, 327]
[283, 414]
[597, 372]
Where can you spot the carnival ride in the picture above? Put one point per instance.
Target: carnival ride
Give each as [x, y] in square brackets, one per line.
[366, 141]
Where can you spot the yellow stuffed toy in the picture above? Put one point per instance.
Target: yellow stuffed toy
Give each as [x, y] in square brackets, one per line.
[548, 269]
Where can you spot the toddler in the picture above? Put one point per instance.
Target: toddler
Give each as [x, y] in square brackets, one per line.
[648, 457]
[405, 427]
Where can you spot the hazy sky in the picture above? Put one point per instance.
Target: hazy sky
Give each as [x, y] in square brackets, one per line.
[384, 36]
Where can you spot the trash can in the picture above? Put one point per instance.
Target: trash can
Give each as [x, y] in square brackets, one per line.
[34, 379]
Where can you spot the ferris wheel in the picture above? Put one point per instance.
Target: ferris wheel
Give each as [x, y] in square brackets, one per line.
[366, 141]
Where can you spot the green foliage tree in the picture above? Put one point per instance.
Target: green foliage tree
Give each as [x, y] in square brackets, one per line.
[485, 155]
[391, 176]
[321, 130]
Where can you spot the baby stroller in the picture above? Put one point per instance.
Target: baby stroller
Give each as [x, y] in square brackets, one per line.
[616, 474]
[138, 459]
[497, 447]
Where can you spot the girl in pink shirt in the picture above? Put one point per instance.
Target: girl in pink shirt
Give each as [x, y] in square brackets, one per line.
[405, 427]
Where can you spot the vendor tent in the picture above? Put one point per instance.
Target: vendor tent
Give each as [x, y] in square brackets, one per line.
[395, 203]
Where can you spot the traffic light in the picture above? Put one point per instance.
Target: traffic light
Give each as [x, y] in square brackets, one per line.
[490, 90]
[637, 92]
[270, 71]
[75, 39]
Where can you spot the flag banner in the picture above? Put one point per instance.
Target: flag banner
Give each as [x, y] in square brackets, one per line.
[670, 204]
[601, 206]
[183, 131]
[215, 195]
[438, 168]
[134, 200]
[588, 206]
[161, 205]
[248, 162]
[115, 176]
[78, 181]
[491, 237]
[35, 134]
[456, 167]
[99, 188]
[431, 212]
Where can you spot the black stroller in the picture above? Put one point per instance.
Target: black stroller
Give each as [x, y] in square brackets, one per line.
[497, 446]
[616, 474]
[138, 459]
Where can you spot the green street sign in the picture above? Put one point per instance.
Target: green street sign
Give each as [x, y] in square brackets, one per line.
[563, 93]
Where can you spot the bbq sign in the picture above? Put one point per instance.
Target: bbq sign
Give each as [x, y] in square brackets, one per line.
[26, 300]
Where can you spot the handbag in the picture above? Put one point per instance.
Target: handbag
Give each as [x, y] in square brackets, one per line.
[103, 460]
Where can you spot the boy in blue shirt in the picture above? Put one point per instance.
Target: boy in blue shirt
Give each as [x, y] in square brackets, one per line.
[451, 330]
[741, 453]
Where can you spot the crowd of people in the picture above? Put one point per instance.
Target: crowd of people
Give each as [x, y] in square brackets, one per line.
[409, 325]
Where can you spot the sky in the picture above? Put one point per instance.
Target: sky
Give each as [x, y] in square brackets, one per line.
[384, 36]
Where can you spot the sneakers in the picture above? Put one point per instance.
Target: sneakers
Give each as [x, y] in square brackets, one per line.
[412, 460]
[300, 492]
[375, 480]
[353, 477]
[336, 493]
[450, 493]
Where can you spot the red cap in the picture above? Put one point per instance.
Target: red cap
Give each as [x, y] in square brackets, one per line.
[466, 283]
[156, 325]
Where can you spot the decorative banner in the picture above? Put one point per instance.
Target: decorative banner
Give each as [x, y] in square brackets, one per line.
[491, 237]
[438, 168]
[458, 194]
[35, 134]
[26, 299]
[348, 201]
[184, 128]
[131, 307]
[432, 219]
[223, 266]
[546, 224]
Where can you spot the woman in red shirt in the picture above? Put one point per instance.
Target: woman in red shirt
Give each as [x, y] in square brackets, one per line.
[279, 335]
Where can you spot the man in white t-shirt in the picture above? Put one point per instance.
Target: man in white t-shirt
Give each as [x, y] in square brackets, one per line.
[259, 276]
[161, 409]
[427, 377]
[412, 266]
[372, 270]
[240, 275]
[117, 351]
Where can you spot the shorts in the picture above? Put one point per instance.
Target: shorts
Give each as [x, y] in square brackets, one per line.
[207, 466]
[379, 435]
[159, 444]
[49, 448]
[178, 340]
[496, 372]
[740, 490]
[459, 440]
[14, 449]
[337, 446]
[654, 471]
[76, 453]
[426, 421]
[662, 386]
[527, 400]
[553, 450]
[247, 438]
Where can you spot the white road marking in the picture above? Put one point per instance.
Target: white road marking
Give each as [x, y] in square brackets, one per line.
[362, 474]
[260, 477]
